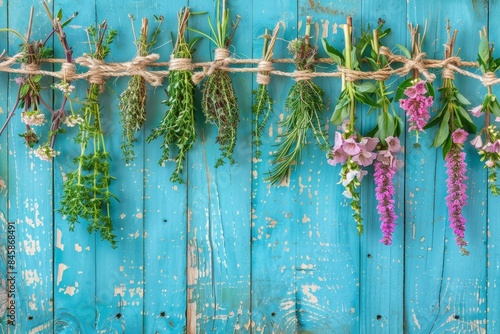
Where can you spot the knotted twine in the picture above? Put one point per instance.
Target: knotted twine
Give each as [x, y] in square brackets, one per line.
[221, 60]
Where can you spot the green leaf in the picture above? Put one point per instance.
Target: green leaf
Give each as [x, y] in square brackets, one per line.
[430, 88]
[484, 51]
[400, 92]
[443, 132]
[436, 119]
[366, 87]
[405, 51]
[466, 120]
[59, 14]
[366, 99]
[340, 114]
[495, 107]
[24, 90]
[461, 99]
[447, 146]
[333, 53]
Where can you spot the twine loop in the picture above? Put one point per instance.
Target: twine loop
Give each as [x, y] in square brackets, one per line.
[68, 71]
[489, 79]
[303, 75]
[449, 65]
[264, 67]
[180, 64]
[31, 68]
[221, 59]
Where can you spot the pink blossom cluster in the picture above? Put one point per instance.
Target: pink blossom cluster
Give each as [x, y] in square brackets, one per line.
[360, 152]
[417, 106]
[457, 196]
[385, 168]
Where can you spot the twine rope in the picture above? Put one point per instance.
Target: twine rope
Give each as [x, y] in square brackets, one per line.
[98, 70]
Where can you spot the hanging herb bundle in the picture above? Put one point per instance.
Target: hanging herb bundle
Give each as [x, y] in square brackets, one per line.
[29, 96]
[419, 94]
[454, 126]
[86, 194]
[351, 149]
[387, 130]
[178, 125]
[305, 103]
[262, 106]
[132, 102]
[489, 148]
[219, 103]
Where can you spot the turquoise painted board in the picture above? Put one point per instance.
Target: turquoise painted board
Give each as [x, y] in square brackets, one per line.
[226, 252]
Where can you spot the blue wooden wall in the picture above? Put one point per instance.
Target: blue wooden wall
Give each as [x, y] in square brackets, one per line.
[226, 252]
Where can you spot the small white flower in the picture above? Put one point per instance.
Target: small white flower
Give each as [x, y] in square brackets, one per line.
[347, 193]
[33, 117]
[73, 120]
[45, 153]
[64, 87]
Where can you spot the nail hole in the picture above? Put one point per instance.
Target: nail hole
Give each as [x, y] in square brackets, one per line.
[369, 256]
[457, 317]
[164, 220]
[118, 316]
[30, 317]
[162, 314]
[379, 317]
[171, 324]
[273, 314]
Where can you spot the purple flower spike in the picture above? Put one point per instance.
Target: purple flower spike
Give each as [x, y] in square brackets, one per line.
[417, 106]
[459, 136]
[457, 197]
[384, 193]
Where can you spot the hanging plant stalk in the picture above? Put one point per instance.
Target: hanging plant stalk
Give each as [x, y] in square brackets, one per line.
[178, 125]
[86, 194]
[305, 104]
[454, 125]
[489, 147]
[132, 102]
[219, 103]
[262, 106]
[352, 150]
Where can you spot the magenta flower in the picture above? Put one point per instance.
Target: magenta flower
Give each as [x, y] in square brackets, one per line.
[459, 136]
[417, 106]
[384, 192]
[351, 147]
[393, 144]
[457, 197]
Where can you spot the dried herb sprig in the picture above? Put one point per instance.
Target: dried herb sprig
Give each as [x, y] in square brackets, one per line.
[86, 194]
[305, 103]
[489, 148]
[352, 149]
[178, 125]
[262, 106]
[455, 125]
[219, 103]
[132, 102]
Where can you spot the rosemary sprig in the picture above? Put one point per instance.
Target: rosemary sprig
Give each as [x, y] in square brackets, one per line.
[305, 103]
[178, 124]
[262, 106]
[86, 193]
[219, 103]
[132, 102]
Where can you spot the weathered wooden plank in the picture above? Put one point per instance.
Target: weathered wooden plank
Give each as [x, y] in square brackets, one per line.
[4, 87]
[327, 245]
[382, 267]
[74, 252]
[30, 196]
[165, 208]
[219, 202]
[443, 290]
[274, 300]
[492, 237]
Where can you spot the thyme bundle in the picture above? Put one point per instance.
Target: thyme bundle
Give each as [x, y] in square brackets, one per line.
[86, 194]
[178, 124]
[305, 103]
[262, 106]
[219, 103]
[132, 102]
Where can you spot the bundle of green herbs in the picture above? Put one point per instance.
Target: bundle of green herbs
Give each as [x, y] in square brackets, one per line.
[132, 102]
[219, 103]
[86, 190]
[305, 104]
[262, 106]
[178, 124]
[29, 96]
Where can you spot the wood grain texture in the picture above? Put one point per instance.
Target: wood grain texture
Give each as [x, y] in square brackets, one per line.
[226, 252]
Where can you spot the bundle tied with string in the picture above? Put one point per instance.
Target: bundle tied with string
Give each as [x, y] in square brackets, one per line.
[219, 104]
[305, 105]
